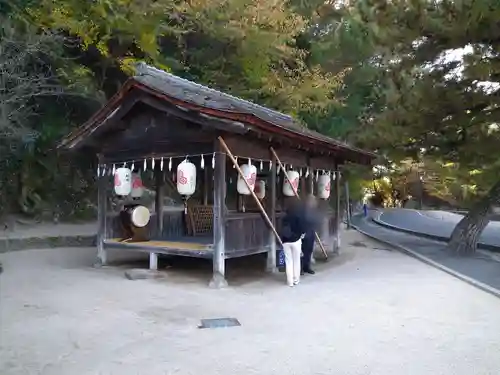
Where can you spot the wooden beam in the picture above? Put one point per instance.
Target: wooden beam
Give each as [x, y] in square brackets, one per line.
[247, 147]
[348, 204]
[310, 181]
[324, 162]
[196, 117]
[281, 196]
[297, 196]
[152, 131]
[170, 149]
[159, 200]
[271, 211]
[253, 148]
[101, 218]
[337, 212]
[252, 193]
[206, 184]
[111, 120]
[219, 225]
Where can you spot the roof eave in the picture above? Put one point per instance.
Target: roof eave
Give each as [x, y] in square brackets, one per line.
[72, 140]
[333, 145]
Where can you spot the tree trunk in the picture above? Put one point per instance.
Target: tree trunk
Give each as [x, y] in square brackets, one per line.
[466, 234]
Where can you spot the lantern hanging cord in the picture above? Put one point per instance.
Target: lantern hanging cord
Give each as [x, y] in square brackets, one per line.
[158, 157]
[183, 157]
[149, 159]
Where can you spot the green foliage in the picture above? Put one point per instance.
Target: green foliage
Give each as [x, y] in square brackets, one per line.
[249, 48]
[376, 73]
[242, 46]
[435, 105]
[410, 94]
[341, 46]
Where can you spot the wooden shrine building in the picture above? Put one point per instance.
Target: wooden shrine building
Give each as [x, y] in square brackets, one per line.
[157, 121]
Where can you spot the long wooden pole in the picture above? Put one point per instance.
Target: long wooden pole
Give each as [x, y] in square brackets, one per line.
[282, 167]
[240, 172]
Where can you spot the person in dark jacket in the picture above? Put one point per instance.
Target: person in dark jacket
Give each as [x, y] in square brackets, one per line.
[293, 230]
[311, 223]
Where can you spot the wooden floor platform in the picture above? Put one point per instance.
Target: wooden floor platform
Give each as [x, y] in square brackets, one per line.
[198, 247]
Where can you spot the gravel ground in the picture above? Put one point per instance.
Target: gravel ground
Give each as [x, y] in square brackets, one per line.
[371, 311]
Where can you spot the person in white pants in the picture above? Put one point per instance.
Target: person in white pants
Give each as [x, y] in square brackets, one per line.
[293, 252]
[293, 230]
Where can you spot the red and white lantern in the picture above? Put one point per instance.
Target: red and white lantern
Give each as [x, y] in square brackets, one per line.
[137, 186]
[186, 178]
[291, 184]
[123, 181]
[324, 186]
[250, 173]
[260, 189]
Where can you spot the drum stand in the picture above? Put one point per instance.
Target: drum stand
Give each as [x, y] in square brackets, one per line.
[131, 232]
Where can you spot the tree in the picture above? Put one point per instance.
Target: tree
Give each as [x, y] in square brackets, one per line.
[437, 104]
[245, 47]
[24, 75]
[340, 45]
[35, 79]
[248, 48]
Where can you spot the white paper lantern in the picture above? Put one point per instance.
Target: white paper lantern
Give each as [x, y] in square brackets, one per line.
[324, 186]
[260, 189]
[123, 181]
[250, 173]
[293, 177]
[137, 186]
[186, 178]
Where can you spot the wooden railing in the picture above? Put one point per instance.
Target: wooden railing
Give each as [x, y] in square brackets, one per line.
[332, 223]
[246, 233]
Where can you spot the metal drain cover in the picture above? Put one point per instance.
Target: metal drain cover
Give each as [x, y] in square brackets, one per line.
[219, 323]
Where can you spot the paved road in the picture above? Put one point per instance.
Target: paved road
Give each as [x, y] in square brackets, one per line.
[437, 223]
[483, 266]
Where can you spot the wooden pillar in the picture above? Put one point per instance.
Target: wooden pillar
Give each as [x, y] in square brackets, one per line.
[159, 200]
[280, 181]
[206, 185]
[348, 204]
[219, 226]
[337, 211]
[240, 203]
[159, 191]
[325, 232]
[271, 212]
[101, 218]
[303, 191]
[153, 261]
[310, 191]
[310, 183]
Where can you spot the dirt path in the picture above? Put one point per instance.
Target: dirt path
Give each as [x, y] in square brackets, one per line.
[372, 311]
